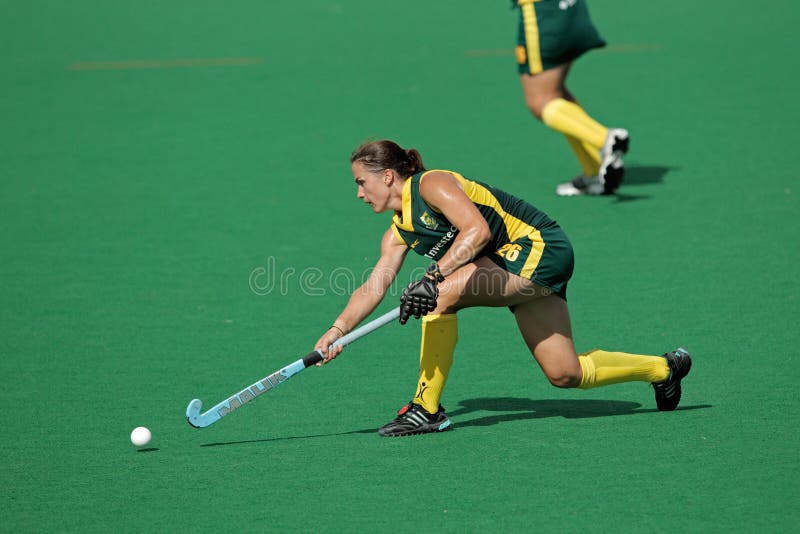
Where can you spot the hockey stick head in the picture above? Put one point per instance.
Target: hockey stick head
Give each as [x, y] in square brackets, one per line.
[193, 413]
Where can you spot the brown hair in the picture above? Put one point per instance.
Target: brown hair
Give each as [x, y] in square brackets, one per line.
[385, 154]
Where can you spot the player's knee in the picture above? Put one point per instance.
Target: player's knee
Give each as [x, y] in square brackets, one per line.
[564, 379]
[445, 310]
[446, 303]
[536, 103]
[536, 106]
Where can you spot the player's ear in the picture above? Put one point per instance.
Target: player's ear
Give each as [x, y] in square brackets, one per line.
[388, 176]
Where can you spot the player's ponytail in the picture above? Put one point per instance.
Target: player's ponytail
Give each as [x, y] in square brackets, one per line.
[413, 162]
[385, 154]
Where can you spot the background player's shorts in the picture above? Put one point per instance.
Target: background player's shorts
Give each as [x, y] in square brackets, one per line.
[547, 259]
[552, 33]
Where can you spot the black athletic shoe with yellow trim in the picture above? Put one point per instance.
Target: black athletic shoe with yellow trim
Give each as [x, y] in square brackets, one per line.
[414, 419]
[668, 393]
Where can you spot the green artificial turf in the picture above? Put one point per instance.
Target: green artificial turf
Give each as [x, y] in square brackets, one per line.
[154, 156]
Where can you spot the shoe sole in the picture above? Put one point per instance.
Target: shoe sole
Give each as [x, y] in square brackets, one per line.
[568, 189]
[443, 427]
[614, 175]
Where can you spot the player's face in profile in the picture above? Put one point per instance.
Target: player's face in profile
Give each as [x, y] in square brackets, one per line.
[371, 187]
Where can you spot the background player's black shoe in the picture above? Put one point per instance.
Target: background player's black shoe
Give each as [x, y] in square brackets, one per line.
[668, 392]
[614, 174]
[414, 419]
[612, 168]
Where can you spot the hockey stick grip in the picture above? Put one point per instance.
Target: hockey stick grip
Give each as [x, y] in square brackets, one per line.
[312, 358]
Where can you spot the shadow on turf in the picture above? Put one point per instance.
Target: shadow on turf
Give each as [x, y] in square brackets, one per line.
[646, 174]
[286, 438]
[522, 409]
[535, 409]
[641, 175]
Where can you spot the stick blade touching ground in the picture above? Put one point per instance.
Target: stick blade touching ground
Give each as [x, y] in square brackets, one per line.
[193, 413]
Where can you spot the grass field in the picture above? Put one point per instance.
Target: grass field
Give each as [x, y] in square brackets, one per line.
[155, 156]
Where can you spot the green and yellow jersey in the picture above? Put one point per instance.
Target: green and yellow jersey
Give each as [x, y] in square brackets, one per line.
[524, 240]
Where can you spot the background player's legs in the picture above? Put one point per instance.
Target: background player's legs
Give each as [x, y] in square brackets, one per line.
[594, 144]
[548, 99]
[588, 158]
[587, 154]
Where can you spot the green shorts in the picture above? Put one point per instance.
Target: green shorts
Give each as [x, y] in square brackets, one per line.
[545, 258]
[552, 33]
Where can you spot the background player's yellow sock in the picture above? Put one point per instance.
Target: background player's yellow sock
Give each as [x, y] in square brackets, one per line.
[439, 336]
[588, 156]
[570, 119]
[601, 368]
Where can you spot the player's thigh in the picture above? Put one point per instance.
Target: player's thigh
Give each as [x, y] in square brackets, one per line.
[484, 283]
[546, 328]
[539, 89]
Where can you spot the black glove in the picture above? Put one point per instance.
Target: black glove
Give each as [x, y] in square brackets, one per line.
[418, 298]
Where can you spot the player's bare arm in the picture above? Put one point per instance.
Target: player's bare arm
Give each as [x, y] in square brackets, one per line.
[366, 298]
[443, 192]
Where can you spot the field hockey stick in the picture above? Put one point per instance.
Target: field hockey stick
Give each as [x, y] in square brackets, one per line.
[198, 420]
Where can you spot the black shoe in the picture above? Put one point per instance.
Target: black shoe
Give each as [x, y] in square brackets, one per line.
[414, 419]
[614, 174]
[612, 168]
[668, 392]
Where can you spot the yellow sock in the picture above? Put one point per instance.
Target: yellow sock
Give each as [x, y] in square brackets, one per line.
[588, 156]
[439, 336]
[601, 368]
[570, 119]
